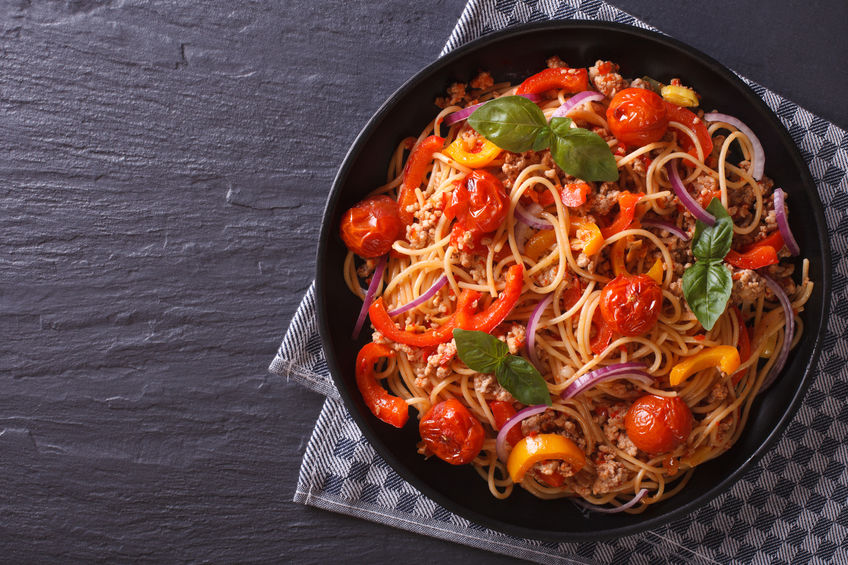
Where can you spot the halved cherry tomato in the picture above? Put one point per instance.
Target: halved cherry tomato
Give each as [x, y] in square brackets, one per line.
[386, 407]
[371, 227]
[451, 433]
[630, 304]
[637, 116]
[479, 203]
[560, 78]
[656, 424]
[574, 194]
[758, 257]
[503, 413]
[603, 334]
[413, 174]
[689, 119]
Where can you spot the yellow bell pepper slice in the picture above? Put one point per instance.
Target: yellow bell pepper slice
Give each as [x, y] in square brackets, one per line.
[589, 238]
[680, 95]
[538, 243]
[725, 357]
[656, 271]
[617, 257]
[474, 154]
[542, 447]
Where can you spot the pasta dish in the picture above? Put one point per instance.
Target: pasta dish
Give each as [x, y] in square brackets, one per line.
[581, 283]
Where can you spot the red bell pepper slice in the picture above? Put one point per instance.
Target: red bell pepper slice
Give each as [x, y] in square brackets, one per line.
[414, 173]
[603, 336]
[774, 239]
[488, 319]
[757, 258]
[383, 322]
[569, 80]
[390, 409]
[689, 119]
[574, 194]
[503, 413]
[627, 211]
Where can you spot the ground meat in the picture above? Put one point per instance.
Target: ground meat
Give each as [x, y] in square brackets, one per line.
[458, 93]
[704, 184]
[483, 81]
[718, 393]
[748, 286]
[602, 201]
[552, 422]
[639, 83]
[514, 163]
[438, 363]
[614, 425]
[423, 232]
[608, 83]
[611, 475]
[547, 276]
[365, 269]
[475, 264]
[488, 386]
[556, 63]
[626, 445]
[515, 338]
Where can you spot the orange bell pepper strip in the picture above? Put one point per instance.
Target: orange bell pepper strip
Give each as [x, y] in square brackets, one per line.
[725, 357]
[491, 317]
[538, 243]
[688, 118]
[413, 174]
[476, 155]
[774, 239]
[761, 256]
[626, 213]
[569, 80]
[541, 447]
[574, 194]
[617, 257]
[589, 237]
[656, 271]
[503, 413]
[390, 409]
[744, 344]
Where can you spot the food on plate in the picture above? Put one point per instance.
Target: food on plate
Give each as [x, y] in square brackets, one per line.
[581, 283]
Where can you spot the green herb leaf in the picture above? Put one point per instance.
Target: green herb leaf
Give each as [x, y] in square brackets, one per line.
[510, 122]
[543, 140]
[655, 85]
[482, 352]
[523, 381]
[485, 353]
[713, 242]
[706, 287]
[582, 153]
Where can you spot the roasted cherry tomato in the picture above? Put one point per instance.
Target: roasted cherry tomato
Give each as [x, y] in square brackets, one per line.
[574, 194]
[369, 228]
[637, 116]
[451, 433]
[696, 124]
[480, 203]
[656, 424]
[503, 412]
[630, 304]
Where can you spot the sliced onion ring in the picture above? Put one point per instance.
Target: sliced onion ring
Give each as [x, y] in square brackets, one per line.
[531, 328]
[669, 227]
[758, 160]
[688, 201]
[530, 218]
[500, 444]
[595, 508]
[369, 295]
[463, 114]
[788, 331]
[423, 298]
[576, 100]
[783, 222]
[632, 370]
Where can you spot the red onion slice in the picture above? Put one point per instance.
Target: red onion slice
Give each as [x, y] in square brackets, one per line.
[669, 227]
[788, 330]
[631, 370]
[783, 222]
[530, 218]
[576, 100]
[463, 114]
[531, 328]
[758, 160]
[688, 201]
[500, 444]
[423, 298]
[369, 296]
[595, 508]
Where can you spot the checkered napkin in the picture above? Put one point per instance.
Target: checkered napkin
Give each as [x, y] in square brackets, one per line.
[790, 508]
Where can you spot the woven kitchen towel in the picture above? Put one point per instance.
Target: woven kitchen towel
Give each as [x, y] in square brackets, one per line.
[790, 508]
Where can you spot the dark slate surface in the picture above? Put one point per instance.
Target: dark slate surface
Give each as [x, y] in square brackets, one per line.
[164, 168]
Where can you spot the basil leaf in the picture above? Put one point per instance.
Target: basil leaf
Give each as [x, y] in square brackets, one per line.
[523, 381]
[543, 139]
[510, 122]
[713, 242]
[582, 153]
[482, 352]
[706, 287]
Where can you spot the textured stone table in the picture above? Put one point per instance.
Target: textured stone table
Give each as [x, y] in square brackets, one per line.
[164, 168]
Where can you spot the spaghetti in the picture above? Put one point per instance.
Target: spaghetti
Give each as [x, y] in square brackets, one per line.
[507, 255]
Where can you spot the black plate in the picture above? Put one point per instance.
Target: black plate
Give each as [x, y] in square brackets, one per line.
[513, 55]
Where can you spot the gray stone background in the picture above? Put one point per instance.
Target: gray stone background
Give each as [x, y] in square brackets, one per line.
[164, 166]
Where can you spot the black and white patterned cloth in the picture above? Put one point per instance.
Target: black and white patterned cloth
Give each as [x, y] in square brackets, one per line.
[790, 508]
